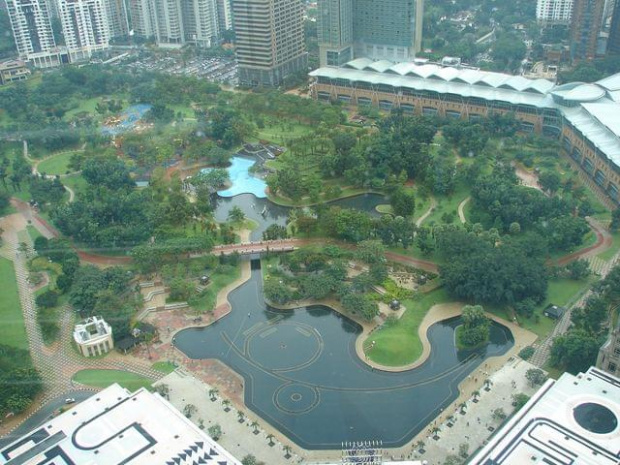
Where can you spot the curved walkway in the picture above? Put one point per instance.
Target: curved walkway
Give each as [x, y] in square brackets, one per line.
[427, 213]
[460, 209]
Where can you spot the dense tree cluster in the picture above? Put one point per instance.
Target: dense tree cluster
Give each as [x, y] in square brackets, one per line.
[504, 203]
[107, 293]
[480, 268]
[19, 381]
[476, 326]
[576, 350]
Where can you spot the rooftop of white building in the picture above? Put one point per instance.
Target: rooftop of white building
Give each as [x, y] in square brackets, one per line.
[591, 108]
[574, 420]
[91, 328]
[115, 426]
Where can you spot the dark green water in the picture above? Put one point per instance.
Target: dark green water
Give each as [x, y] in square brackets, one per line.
[303, 376]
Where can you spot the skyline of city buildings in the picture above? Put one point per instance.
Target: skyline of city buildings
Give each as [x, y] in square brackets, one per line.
[270, 43]
[348, 29]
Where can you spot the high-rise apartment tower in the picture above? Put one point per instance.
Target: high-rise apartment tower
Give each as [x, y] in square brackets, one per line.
[32, 30]
[554, 11]
[269, 40]
[386, 29]
[84, 26]
[613, 42]
[586, 23]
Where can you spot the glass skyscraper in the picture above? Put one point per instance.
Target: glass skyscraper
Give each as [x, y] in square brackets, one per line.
[378, 29]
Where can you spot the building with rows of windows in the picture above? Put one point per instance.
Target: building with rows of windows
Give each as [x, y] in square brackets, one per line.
[583, 116]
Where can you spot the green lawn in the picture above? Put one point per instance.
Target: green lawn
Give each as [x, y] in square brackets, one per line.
[56, 164]
[164, 367]
[104, 378]
[77, 183]
[82, 105]
[613, 250]
[562, 292]
[281, 133]
[205, 302]
[33, 232]
[12, 329]
[448, 204]
[398, 343]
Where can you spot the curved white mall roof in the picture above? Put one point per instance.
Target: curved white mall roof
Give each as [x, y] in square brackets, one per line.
[596, 114]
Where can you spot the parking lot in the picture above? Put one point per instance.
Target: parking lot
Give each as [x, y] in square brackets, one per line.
[223, 70]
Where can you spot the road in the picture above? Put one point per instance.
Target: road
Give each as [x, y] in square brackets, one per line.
[50, 408]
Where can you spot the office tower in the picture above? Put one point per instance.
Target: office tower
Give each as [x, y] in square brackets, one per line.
[389, 29]
[224, 14]
[613, 42]
[554, 11]
[32, 31]
[200, 21]
[586, 22]
[335, 32]
[269, 40]
[116, 11]
[85, 27]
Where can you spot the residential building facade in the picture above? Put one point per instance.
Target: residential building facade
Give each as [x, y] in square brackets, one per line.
[270, 41]
[13, 71]
[85, 27]
[32, 31]
[582, 116]
[613, 41]
[118, 22]
[200, 22]
[347, 29]
[549, 12]
[585, 28]
[224, 15]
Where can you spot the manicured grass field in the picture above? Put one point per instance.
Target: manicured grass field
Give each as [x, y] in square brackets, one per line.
[104, 378]
[206, 301]
[561, 292]
[164, 367]
[77, 183]
[33, 232]
[56, 164]
[399, 343]
[12, 329]
[280, 134]
[83, 105]
[447, 204]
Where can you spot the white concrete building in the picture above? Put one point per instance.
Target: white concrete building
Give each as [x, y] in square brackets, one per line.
[554, 11]
[116, 12]
[32, 31]
[224, 13]
[85, 27]
[93, 337]
[115, 426]
[574, 420]
[200, 22]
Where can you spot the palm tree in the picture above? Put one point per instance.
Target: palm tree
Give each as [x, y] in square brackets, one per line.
[213, 393]
[287, 451]
[241, 416]
[254, 425]
[236, 215]
[226, 403]
[270, 439]
[419, 445]
[451, 419]
[435, 430]
[476, 394]
[462, 407]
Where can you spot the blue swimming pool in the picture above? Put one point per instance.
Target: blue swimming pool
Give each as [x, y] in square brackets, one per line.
[242, 181]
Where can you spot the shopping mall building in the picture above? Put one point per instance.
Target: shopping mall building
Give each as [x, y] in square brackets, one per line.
[586, 117]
